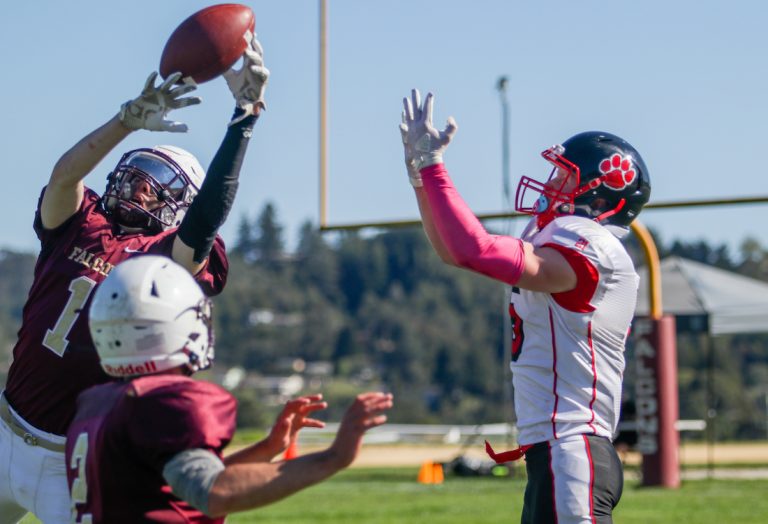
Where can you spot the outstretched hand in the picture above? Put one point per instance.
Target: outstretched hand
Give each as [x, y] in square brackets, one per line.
[366, 412]
[294, 417]
[248, 83]
[424, 145]
[150, 108]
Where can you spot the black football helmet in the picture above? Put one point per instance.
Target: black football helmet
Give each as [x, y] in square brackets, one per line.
[606, 181]
[170, 174]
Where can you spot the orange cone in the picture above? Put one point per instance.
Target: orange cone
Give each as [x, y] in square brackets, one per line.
[292, 452]
[426, 473]
[437, 473]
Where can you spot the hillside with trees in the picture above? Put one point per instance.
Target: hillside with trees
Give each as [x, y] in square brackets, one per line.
[349, 312]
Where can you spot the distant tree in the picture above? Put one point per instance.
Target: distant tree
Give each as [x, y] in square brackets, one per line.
[701, 251]
[245, 244]
[345, 344]
[269, 242]
[754, 259]
[317, 264]
[390, 314]
[408, 257]
[322, 321]
[362, 267]
[16, 273]
[251, 411]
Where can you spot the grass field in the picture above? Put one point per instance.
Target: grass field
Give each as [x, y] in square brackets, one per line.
[392, 495]
[379, 496]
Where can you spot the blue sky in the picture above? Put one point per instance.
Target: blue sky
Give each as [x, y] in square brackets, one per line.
[685, 82]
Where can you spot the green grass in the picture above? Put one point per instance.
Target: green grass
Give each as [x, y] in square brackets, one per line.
[699, 501]
[383, 496]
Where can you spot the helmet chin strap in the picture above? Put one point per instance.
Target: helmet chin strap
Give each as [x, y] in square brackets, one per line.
[587, 211]
[612, 212]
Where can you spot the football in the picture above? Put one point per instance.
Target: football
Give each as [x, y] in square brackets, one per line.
[208, 43]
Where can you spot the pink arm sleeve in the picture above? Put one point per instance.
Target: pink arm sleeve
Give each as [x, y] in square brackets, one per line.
[462, 234]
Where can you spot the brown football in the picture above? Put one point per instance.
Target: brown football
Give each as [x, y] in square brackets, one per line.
[208, 43]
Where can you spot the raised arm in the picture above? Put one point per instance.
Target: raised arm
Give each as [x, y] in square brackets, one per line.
[217, 488]
[242, 487]
[209, 210]
[65, 189]
[455, 232]
[414, 161]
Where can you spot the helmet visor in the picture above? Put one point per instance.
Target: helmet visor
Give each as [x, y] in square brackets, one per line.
[164, 175]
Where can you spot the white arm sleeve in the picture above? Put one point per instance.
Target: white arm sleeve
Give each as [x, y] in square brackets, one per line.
[191, 475]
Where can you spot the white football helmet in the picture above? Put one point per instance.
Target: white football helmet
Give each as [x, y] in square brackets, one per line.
[149, 315]
[171, 174]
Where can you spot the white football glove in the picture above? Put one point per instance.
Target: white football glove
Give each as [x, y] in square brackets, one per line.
[247, 84]
[424, 145]
[149, 110]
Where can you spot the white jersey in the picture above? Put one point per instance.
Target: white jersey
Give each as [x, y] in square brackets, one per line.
[568, 348]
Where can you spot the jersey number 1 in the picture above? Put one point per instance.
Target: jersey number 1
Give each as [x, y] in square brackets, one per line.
[79, 291]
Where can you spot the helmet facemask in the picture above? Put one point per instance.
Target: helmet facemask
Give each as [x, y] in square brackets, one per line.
[200, 352]
[148, 191]
[555, 196]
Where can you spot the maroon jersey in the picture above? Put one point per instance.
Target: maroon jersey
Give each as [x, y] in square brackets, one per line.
[54, 358]
[124, 433]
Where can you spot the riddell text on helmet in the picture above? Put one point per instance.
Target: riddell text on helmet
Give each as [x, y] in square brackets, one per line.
[127, 370]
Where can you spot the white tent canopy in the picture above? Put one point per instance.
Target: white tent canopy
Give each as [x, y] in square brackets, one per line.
[730, 303]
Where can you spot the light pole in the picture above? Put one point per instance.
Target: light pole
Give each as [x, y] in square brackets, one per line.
[501, 87]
